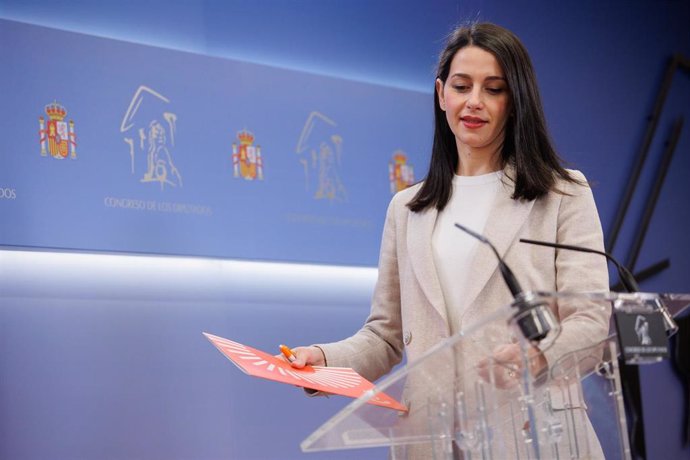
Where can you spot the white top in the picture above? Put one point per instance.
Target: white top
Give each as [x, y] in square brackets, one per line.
[453, 249]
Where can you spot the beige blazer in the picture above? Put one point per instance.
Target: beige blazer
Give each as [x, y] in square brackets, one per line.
[408, 311]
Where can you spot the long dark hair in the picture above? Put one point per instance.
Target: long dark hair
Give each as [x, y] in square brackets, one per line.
[526, 146]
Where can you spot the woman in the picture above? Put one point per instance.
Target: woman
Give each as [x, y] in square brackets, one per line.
[493, 169]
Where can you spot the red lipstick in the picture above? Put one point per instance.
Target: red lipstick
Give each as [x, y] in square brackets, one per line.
[472, 122]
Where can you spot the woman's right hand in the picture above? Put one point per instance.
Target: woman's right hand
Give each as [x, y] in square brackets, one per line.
[311, 356]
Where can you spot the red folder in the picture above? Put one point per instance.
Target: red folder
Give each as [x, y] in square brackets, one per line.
[335, 380]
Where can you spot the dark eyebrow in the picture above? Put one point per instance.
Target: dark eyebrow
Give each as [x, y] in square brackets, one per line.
[490, 78]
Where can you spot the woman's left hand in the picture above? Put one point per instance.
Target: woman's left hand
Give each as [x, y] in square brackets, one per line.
[506, 364]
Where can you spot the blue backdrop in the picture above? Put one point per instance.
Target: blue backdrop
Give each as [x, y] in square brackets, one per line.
[148, 165]
[97, 367]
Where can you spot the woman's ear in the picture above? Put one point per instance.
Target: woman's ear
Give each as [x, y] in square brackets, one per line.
[439, 94]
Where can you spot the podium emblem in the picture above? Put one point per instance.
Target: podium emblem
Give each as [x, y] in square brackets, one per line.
[57, 137]
[641, 335]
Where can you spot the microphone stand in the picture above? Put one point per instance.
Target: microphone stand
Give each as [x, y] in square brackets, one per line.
[630, 374]
[534, 319]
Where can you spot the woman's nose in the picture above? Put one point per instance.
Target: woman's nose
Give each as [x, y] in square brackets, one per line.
[474, 100]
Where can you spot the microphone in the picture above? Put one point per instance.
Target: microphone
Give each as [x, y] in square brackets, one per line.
[534, 319]
[627, 279]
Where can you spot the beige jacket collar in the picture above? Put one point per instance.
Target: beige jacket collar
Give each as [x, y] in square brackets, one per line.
[505, 219]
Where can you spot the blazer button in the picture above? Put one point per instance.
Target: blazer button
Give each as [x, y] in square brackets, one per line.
[407, 337]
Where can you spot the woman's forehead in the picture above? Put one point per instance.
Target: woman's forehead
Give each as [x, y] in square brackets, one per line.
[472, 61]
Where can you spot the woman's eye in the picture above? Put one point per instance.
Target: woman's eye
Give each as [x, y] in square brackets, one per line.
[461, 88]
[495, 90]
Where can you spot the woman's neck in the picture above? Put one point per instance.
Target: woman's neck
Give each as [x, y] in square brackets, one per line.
[473, 163]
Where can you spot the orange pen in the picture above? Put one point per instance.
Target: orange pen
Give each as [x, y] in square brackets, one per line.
[289, 355]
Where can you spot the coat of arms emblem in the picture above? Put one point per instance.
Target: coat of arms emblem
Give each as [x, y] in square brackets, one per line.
[58, 136]
[246, 157]
[400, 174]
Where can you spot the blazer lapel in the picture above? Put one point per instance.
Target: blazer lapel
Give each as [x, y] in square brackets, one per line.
[420, 227]
[506, 218]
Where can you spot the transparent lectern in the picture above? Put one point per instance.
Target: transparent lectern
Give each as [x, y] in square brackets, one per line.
[480, 395]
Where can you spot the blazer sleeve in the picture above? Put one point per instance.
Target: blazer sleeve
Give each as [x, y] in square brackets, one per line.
[582, 324]
[377, 347]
